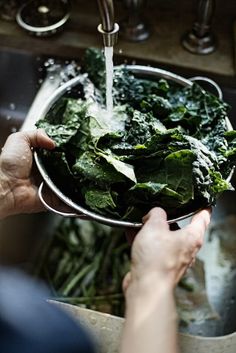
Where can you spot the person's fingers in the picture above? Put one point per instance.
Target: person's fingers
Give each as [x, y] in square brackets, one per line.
[18, 144]
[16, 156]
[197, 228]
[156, 218]
[38, 139]
[126, 281]
[201, 221]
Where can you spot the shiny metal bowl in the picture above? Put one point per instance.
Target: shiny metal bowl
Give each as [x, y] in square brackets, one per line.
[76, 209]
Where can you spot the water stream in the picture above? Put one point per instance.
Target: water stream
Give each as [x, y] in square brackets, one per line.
[109, 79]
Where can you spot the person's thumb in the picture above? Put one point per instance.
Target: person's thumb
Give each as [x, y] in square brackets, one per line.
[39, 139]
[156, 218]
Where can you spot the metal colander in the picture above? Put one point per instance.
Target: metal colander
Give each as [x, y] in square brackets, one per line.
[76, 209]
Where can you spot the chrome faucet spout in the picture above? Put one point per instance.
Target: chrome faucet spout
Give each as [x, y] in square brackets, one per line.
[106, 9]
[108, 28]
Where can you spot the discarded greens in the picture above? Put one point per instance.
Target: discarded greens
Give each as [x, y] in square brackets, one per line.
[84, 263]
[166, 145]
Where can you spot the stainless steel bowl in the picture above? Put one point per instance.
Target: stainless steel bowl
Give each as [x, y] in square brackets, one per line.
[76, 209]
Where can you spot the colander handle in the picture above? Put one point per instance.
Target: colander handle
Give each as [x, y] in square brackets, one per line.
[211, 82]
[52, 209]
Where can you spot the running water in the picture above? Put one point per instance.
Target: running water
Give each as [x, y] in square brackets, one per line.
[109, 79]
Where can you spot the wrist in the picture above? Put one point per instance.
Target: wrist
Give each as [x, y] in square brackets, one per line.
[151, 317]
[151, 299]
[150, 286]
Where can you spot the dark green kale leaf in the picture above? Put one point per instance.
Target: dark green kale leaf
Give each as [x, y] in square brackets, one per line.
[101, 201]
[208, 180]
[230, 152]
[196, 110]
[172, 181]
[63, 120]
[59, 170]
[131, 90]
[179, 175]
[94, 65]
[159, 106]
[121, 167]
[90, 167]
[166, 145]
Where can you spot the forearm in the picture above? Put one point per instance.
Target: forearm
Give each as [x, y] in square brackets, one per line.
[151, 320]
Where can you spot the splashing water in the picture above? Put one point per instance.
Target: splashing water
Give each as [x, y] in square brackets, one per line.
[109, 79]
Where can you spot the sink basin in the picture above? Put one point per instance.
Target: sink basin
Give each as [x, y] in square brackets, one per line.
[19, 83]
[20, 73]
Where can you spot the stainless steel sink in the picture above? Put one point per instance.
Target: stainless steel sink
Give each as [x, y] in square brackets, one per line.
[19, 83]
[22, 236]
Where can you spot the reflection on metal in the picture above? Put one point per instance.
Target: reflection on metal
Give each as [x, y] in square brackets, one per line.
[200, 40]
[43, 18]
[43, 9]
[133, 27]
[108, 28]
[52, 208]
[210, 82]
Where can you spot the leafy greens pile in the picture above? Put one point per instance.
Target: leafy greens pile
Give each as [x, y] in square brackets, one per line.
[84, 263]
[166, 145]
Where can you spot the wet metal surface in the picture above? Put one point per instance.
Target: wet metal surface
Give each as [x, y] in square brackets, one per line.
[19, 81]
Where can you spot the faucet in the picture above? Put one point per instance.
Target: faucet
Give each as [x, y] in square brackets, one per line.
[108, 28]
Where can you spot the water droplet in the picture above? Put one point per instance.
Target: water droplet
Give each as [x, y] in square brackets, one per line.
[12, 106]
[13, 129]
[8, 117]
[51, 61]
[120, 51]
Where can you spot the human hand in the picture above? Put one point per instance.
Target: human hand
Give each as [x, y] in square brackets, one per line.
[18, 190]
[160, 255]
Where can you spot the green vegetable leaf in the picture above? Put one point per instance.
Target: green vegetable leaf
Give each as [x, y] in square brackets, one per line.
[179, 177]
[165, 144]
[89, 167]
[100, 200]
[123, 168]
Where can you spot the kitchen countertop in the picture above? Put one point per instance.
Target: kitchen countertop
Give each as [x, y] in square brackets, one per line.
[162, 49]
